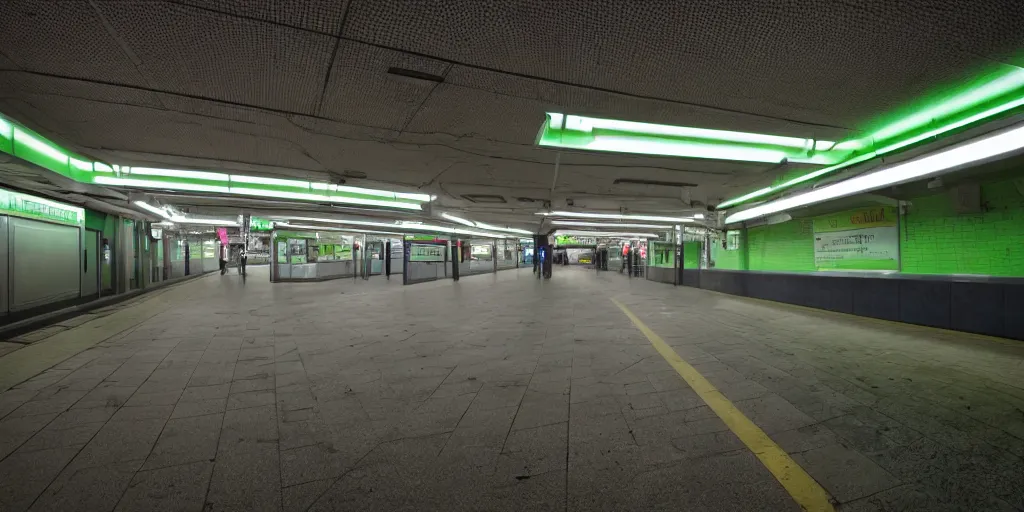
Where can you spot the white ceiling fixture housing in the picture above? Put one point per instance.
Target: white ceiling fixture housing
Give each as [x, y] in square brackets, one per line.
[609, 224]
[617, 216]
[990, 146]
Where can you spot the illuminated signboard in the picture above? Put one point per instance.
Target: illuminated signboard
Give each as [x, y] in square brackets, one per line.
[258, 224]
[24, 205]
[425, 252]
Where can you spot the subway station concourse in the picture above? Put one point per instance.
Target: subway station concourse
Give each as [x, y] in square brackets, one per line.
[457, 255]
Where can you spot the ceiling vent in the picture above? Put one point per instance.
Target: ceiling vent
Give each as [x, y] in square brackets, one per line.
[483, 198]
[419, 75]
[658, 183]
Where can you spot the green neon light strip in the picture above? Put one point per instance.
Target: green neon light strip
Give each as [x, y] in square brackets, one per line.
[981, 116]
[1007, 89]
[596, 134]
[30, 146]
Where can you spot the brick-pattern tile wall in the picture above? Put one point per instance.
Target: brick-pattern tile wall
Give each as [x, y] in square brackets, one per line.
[786, 247]
[691, 254]
[937, 240]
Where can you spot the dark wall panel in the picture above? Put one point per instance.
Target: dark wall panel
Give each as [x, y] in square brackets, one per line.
[691, 277]
[876, 298]
[1013, 312]
[977, 307]
[925, 303]
[987, 306]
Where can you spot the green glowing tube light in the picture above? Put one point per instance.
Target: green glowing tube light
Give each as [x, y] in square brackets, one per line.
[32, 147]
[596, 134]
[980, 101]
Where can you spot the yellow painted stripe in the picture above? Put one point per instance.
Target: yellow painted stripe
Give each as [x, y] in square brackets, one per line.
[804, 490]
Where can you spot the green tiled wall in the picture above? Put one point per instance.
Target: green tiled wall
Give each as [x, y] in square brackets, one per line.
[937, 240]
[691, 255]
[934, 239]
[788, 246]
[728, 260]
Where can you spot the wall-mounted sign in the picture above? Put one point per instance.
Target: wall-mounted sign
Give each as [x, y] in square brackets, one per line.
[863, 239]
[426, 238]
[31, 207]
[426, 252]
[259, 224]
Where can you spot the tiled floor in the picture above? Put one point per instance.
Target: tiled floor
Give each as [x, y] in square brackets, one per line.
[502, 392]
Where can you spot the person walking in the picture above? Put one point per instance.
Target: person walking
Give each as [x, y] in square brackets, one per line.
[223, 259]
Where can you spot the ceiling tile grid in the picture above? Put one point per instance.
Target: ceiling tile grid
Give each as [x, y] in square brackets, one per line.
[65, 38]
[361, 90]
[210, 55]
[324, 16]
[839, 64]
[23, 83]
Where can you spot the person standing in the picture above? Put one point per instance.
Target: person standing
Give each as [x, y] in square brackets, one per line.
[223, 259]
[243, 258]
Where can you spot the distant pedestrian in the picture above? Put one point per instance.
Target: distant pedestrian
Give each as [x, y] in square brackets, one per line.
[243, 258]
[223, 260]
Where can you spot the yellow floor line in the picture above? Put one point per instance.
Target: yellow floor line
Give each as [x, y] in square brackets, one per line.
[804, 490]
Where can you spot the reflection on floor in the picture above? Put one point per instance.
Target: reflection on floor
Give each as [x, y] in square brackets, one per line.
[500, 392]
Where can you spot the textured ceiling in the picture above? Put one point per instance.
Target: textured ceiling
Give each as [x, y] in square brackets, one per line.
[303, 89]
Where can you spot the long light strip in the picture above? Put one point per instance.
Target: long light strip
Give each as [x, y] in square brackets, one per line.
[260, 180]
[180, 219]
[175, 173]
[587, 124]
[492, 227]
[413, 226]
[169, 185]
[616, 216]
[303, 196]
[458, 220]
[607, 224]
[606, 234]
[153, 209]
[40, 145]
[481, 225]
[988, 147]
[350, 230]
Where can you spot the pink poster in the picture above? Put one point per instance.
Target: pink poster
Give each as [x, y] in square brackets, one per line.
[222, 233]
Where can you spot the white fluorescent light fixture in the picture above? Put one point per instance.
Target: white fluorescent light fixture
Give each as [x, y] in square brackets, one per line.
[259, 180]
[346, 230]
[616, 216]
[988, 147]
[81, 165]
[206, 222]
[167, 185]
[415, 197]
[481, 225]
[39, 145]
[587, 124]
[606, 234]
[153, 209]
[459, 220]
[174, 173]
[414, 226]
[607, 224]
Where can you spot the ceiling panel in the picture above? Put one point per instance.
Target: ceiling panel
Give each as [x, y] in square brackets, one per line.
[361, 91]
[199, 53]
[316, 15]
[64, 38]
[585, 101]
[839, 66]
